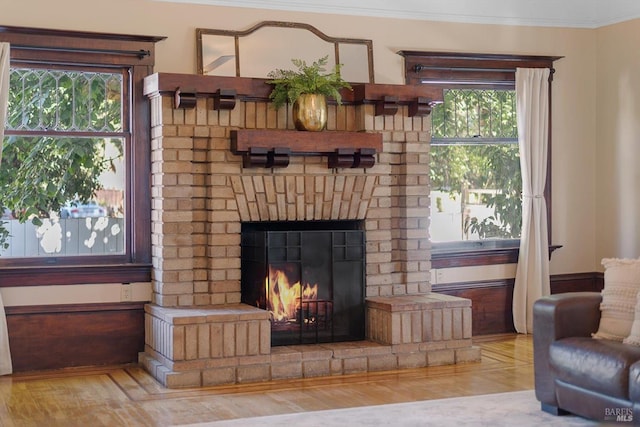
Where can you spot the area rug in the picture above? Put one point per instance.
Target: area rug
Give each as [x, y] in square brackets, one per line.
[519, 409]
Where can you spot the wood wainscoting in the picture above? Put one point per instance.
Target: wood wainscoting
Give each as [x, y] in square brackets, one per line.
[62, 336]
[491, 300]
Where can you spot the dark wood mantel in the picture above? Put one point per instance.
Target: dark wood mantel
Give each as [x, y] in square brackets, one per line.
[273, 148]
[226, 90]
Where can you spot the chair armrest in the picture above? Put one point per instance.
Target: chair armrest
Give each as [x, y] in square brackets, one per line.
[573, 314]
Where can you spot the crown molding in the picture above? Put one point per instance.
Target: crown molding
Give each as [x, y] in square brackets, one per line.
[539, 13]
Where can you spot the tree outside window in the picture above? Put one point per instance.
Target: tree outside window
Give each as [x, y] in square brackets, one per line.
[62, 180]
[475, 167]
[75, 178]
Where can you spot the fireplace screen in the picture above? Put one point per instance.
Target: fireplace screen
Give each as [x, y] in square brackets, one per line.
[309, 275]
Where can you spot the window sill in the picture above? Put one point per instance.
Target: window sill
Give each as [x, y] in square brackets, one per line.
[467, 257]
[73, 275]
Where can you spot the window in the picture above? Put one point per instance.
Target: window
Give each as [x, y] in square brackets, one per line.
[74, 178]
[62, 187]
[475, 169]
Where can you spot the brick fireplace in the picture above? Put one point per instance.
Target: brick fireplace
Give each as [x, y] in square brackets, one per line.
[198, 333]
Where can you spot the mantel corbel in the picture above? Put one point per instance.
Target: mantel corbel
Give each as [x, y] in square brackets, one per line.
[421, 106]
[387, 106]
[184, 99]
[225, 99]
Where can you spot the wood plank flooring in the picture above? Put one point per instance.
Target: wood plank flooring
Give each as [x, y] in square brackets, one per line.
[128, 396]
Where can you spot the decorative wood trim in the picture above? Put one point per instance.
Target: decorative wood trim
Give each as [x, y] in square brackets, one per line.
[572, 282]
[224, 99]
[421, 107]
[576, 282]
[73, 46]
[255, 89]
[463, 286]
[272, 148]
[491, 300]
[387, 106]
[59, 336]
[491, 304]
[303, 142]
[443, 68]
[470, 258]
[74, 275]
[184, 99]
[405, 94]
[72, 308]
[476, 257]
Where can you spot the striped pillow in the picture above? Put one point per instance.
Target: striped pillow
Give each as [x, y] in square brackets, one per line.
[619, 296]
[634, 335]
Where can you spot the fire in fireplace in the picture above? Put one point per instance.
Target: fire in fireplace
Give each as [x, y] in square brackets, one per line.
[310, 275]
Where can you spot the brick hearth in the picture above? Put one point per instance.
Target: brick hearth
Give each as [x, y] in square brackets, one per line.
[198, 333]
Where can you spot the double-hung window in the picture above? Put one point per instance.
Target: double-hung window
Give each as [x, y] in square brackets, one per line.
[475, 167]
[474, 171]
[63, 177]
[74, 177]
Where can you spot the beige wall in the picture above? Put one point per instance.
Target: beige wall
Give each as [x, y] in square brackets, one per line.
[617, 147]
[574, 106]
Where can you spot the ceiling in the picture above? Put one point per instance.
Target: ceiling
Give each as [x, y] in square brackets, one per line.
[547, 13]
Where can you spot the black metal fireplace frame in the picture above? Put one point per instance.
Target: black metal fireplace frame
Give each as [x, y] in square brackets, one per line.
[293, 243]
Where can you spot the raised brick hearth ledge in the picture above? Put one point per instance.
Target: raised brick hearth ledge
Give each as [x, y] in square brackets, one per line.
[197, 332]
[207, 346]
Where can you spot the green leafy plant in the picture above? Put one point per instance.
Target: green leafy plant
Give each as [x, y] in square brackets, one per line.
[288, 85]
[4, 236]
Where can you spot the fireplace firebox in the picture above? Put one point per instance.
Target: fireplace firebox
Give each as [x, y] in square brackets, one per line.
[310, 276]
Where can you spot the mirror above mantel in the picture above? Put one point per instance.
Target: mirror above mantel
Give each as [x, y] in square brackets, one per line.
[271, 45]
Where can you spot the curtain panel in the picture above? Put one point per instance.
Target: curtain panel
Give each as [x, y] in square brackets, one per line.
[532, 273]
[5, 353]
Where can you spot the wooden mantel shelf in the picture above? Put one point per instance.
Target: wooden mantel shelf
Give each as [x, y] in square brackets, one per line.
[272, 148]
[186, 88]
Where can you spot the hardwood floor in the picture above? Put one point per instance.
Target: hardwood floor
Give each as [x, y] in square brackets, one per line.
[128, 396]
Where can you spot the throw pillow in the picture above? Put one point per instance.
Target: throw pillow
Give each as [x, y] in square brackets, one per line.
[621, 286]
[634, 335]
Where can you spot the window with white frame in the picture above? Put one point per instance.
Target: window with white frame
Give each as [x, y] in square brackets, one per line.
[475, 166]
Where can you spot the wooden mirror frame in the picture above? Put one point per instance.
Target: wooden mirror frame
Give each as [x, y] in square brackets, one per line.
[237, 35]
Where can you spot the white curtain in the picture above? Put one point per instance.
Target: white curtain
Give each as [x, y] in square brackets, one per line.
[5, 353]
[532, 274]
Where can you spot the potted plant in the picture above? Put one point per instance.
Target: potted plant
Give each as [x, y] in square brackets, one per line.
[307, 89]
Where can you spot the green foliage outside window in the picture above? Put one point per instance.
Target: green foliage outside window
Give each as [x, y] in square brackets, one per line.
[40, 174]
[474, 146]
[58, 125]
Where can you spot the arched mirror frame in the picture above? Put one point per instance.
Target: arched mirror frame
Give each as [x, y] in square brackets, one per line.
[237, 35]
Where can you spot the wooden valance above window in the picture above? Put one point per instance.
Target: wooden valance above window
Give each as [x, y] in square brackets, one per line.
[464, 69]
